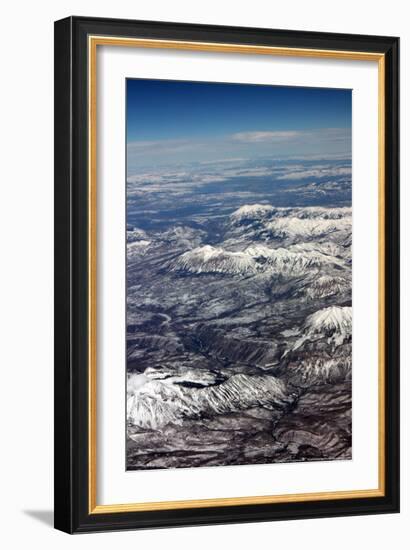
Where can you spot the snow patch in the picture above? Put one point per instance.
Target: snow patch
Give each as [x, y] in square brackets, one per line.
[251, 211]
[253, 260]
[152, 404]
[333, 323]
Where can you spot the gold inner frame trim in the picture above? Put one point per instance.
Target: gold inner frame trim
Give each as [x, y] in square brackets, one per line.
[93, 42]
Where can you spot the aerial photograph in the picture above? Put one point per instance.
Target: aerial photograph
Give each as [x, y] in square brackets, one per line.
[239, 274]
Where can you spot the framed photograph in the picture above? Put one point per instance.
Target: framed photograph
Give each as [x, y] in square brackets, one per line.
[226, 274]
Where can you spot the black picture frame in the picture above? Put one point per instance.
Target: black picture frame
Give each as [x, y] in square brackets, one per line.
[72, 466]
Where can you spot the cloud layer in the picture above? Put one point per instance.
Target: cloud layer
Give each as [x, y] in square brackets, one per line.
[250, 145]
[258, 137]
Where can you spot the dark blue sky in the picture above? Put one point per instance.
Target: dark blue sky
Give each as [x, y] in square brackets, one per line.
[195, 120]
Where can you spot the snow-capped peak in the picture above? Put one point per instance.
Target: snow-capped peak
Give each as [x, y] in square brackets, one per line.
[152, 404]
[251, 211]
[254, 259]
[334, 324]
[323, 286]
[293, 226]
[209, 259]
[331, 319]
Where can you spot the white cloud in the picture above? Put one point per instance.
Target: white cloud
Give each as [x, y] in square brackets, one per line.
[223, 161]
[257, 137]
[168, 145]
[232, 148]
[316, 173]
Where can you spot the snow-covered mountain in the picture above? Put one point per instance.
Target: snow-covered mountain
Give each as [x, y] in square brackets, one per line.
[291, 226]
[324, 286]
[239, 331]
[153, 403]
[210, 259]
[135, 234]
[328, 248]
[333, 322]
[264, 211]
[302, 228]
[181, 236]
[251, 261]
[137, 242]
[322, 351]
[137, 248]
[316, 368]
[251, 212]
